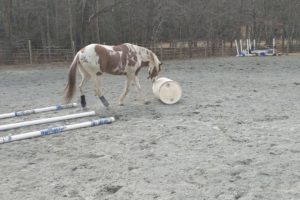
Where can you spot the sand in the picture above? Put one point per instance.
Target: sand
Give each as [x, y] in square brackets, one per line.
[233, 135]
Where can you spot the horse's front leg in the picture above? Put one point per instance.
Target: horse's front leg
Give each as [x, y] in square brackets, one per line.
[139, 91]
[126, 90]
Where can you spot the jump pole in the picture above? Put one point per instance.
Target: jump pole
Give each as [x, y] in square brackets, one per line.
[45, 120]
[37, 110]
[56, 130]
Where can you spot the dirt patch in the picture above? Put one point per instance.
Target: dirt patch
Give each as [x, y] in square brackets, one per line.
[233, 135]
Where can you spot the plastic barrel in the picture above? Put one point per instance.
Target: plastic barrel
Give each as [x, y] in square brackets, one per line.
[167, 90]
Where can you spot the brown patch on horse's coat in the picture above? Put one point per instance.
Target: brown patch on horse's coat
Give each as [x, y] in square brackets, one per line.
[124, 49]
[114, 61]
[103, 59]
[145, 64]
[127, 54]
[102, 54]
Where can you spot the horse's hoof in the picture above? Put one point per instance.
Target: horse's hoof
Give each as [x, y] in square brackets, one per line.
[147, 102]
[117, 116]
[85, 108]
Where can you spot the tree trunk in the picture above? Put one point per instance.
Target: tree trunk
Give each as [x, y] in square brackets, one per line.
[56, 21]
[48, 31]
[97, 23]
[70, 23]
[8, 31]
[7, 18]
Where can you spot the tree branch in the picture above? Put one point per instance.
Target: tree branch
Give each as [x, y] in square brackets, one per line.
[105, 10]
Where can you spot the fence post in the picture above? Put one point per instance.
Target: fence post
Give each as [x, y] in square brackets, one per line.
[174, 51]
[49, 54]
[30, 51]
[180, 56]
[73, 48]
[205, 49]
[190, 49]
[222, 48]
[288, 46]
[161, 52]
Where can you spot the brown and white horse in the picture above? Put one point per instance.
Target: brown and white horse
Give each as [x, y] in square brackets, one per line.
[95, 59]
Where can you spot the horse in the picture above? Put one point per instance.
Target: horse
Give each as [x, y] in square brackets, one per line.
[125, 59]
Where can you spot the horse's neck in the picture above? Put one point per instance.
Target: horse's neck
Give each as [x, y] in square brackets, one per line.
[145, 54]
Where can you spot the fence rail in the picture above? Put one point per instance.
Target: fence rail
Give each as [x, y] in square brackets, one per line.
[47, 55]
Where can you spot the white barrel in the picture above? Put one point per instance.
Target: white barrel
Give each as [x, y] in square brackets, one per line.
[167, 90]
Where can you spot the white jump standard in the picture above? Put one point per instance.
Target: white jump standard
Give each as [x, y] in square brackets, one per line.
[37, 110]
[56, 130]
[45, 120]
[252, 51]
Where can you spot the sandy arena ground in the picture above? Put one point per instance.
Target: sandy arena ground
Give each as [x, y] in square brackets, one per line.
[235, 134]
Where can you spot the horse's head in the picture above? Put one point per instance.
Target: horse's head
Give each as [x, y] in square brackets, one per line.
[154, 67]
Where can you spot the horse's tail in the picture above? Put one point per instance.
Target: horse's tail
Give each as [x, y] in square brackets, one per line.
[70, 87]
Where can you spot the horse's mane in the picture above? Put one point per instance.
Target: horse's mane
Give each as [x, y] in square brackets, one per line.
[151, 54]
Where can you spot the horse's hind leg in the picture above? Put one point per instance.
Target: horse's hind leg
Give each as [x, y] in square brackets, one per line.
[98, 90]
[85, 76]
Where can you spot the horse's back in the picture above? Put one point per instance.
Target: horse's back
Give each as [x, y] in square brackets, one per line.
[98, 58]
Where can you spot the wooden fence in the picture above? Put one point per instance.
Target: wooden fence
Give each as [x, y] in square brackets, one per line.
[55, 54]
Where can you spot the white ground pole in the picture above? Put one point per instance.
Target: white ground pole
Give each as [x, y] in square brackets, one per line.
[254, 44]
[237, 48]
[45, 120]
[37, 110]
[56, 130]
